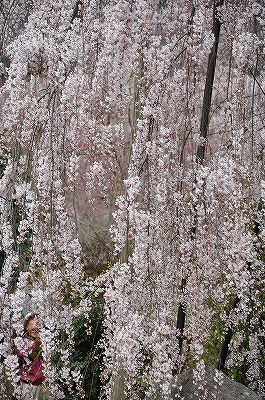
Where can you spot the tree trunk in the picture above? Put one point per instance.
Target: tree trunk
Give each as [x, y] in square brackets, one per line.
[208, 89]
[226, 342]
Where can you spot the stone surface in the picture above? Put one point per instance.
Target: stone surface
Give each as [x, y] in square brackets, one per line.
[229, 390]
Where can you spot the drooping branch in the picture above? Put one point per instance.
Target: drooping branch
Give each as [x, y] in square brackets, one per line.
[229, 331]
[204, 125]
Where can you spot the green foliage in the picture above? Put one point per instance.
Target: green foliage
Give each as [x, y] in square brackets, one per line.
[213, 345]
[254, 325]
[6, 384]
[87, 355]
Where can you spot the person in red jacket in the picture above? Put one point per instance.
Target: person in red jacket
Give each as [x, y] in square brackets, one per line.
[30, 359]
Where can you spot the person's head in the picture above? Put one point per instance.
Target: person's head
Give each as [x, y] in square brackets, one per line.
[30, 325]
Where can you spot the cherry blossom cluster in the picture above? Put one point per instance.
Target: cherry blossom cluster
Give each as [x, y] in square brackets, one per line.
[100, 128]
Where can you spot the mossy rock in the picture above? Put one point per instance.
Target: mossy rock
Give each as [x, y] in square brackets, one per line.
[228, 390]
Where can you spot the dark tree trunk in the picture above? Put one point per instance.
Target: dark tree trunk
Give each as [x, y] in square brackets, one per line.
[208, 89]
[227, 340]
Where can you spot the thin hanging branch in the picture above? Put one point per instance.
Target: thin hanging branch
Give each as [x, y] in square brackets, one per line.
[204, 125]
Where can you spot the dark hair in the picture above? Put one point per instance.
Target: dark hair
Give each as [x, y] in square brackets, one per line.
[28, 318]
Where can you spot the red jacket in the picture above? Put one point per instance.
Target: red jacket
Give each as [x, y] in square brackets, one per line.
[29, 353]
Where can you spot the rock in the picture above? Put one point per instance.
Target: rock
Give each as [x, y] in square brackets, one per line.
[229, 390]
